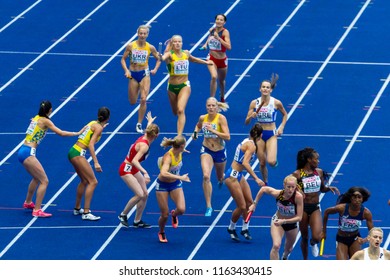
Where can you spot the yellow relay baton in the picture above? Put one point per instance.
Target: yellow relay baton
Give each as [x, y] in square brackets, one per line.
[322, 246]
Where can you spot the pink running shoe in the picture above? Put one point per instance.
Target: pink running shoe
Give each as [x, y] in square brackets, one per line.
[39, 213]
[30, 205]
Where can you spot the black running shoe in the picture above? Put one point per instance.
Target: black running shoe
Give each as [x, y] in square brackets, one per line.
[123, 219]
[233, 235]
[141, 224]
[246, 234]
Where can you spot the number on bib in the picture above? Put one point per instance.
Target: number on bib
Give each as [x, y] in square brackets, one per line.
[234, 174]
[128, 167]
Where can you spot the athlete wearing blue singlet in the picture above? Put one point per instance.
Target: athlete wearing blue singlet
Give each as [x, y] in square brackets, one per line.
[352, 213]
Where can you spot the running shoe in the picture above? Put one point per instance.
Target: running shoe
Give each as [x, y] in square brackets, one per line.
[314, 250]
[30, 205]
[77, 212]
[284, 257]
[40, 214]
[162, 237]
[246, 234]
[141, 224]
[233, 235]
[90, 217]
[139, 129]
[222, 99]
[208, 212]
[220, 183]
[175, 220]
[123, 219]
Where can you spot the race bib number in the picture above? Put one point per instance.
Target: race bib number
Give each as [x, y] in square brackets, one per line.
[234, 174]
[181, 67]
[85, 132]
[214, 44]
[83, 152]
[33, 152]
[128, 167]
[31, 127]
[139, 56]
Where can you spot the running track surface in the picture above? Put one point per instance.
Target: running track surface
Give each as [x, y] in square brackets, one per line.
[333, 61]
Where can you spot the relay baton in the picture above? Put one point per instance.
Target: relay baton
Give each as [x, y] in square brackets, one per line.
[322, 246]
[248, 217]
[261, 105]
[159, 47]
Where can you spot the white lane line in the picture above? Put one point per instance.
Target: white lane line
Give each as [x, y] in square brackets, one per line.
[350, 27]
[15, 239]
[230, 58]
[19, 16]
[24, 69]
[112, 235]
[70, 97]
[203, 239]
[326, 62]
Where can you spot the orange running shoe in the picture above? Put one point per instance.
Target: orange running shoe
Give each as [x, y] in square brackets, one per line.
[175, 220]
[162, 237]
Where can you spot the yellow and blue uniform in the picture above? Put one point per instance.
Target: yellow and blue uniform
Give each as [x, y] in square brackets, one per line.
[175, 167]
[218, 156]
[34, 134]
[215, 125]
[140, 56]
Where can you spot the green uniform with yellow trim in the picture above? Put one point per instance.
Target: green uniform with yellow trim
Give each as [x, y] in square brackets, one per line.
[84, 138]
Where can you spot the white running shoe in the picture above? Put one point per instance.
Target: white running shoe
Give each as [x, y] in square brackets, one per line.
[314, 250]
[78, 211]
[139, 129]
[89, 216]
